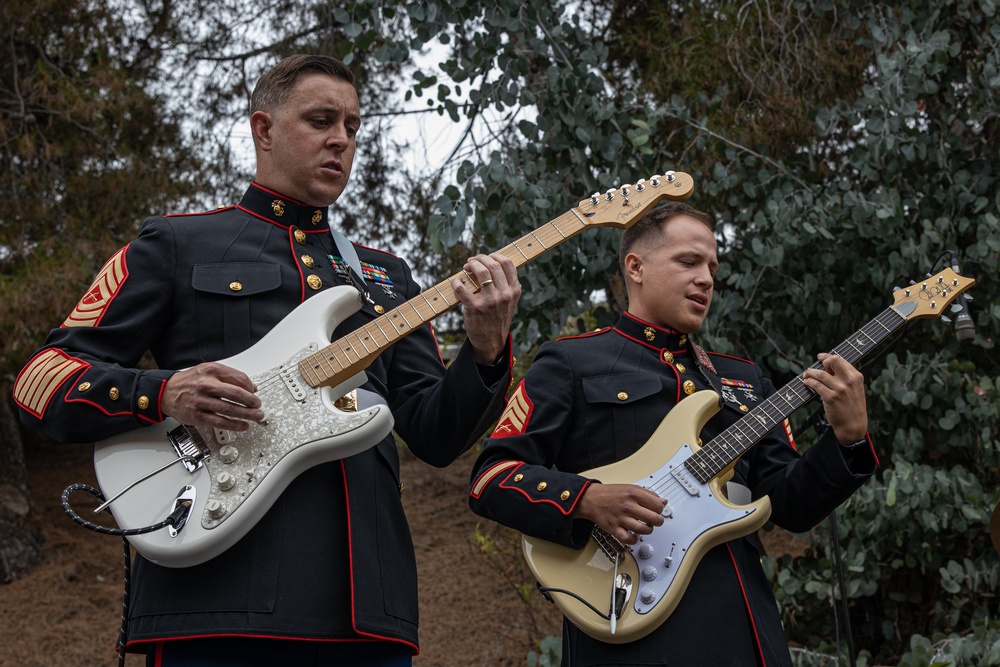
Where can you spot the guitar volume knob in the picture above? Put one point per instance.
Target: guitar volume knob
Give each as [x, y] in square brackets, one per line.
[647, 596]
[228, 454]
[649, 573]
[225, 480]
[215, 509]
[646, 551]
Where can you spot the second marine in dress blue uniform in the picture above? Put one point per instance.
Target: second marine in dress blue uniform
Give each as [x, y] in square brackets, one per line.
[594, 399]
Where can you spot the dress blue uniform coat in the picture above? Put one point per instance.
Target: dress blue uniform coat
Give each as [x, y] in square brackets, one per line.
[591, 400]
[332, 559]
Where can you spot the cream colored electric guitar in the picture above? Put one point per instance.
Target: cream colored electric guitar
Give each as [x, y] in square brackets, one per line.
[632, 590]
[221, 482]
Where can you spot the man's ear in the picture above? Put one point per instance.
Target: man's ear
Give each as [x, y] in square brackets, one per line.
[260, 128]
[633, 268]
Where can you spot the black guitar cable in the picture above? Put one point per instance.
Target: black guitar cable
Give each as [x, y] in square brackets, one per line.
[177, 516]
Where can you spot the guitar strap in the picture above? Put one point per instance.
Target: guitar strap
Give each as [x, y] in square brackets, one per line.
[350, 255]
[705, 366]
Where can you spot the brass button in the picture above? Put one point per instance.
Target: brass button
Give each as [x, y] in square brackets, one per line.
[317, 216]
[518, 477]
[622, 396]
[667, 357]
[114, 393]
[564, 495]
[683, 341]
[650, 334]
[314, 281]
[681, 368]
[744, 408]
[278, 207]
[379, 309]
[84, 386]
[541, 486]
[143, 402]
[236, 286]
[308, 261]
[401, 487]
[688, 387]
[300, 236]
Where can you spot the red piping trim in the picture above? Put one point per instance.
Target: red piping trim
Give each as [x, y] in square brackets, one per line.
[298, 266]
[437, 345]
[729, 356]
[350, 561]
[671, 332]
[191, 215]
[565, 512]
[587, 334]
[746, 602]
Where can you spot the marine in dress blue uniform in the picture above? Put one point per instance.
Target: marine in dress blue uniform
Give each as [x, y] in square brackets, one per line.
[332, 560]
[591, 400]
[333, 557]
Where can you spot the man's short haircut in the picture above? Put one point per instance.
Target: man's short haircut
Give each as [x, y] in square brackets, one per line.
[651, 225]
[276, 84]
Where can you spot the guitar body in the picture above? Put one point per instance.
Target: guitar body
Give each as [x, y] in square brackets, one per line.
[697, 517]
[233, 487]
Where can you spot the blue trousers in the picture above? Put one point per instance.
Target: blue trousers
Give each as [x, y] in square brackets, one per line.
[262, 652]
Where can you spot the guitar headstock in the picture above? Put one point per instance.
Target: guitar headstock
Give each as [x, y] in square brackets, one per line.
[622, 206]
[932, 296]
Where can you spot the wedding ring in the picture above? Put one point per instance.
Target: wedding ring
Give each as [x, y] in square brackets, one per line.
[488, 281]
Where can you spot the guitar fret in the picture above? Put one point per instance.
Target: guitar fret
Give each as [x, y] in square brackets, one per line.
[444, 296]
[400, 313]
[556, 227]
[518, 248]
[362, 341]
[533, 234]
[381, 330]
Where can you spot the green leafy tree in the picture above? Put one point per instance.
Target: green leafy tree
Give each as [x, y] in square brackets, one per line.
[88, 147]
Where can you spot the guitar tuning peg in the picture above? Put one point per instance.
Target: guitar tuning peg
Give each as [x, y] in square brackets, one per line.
[913, 282]
[595, 198]
[956, 308]
[896, 288]
[640, 185]
[610, 194]
[946, 320]
[968, 297]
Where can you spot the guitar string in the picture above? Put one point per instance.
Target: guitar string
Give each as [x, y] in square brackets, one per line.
[667, 486]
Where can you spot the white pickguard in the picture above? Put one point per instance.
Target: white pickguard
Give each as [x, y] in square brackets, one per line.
[302, 429]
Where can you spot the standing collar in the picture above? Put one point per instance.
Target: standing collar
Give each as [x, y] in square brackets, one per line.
[649, 335]
[283, 211]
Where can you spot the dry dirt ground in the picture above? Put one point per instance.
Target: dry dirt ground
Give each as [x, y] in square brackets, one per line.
[66, 611]
[478, 606]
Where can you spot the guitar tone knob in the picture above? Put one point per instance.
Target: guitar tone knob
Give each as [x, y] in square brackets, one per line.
[667, 512]
[228, 454]
[225, 480]
[649, 573]
[646, 551]
[215, 509]
[646, 595]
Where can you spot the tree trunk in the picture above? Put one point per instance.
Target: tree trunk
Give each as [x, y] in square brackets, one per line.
[20, 539]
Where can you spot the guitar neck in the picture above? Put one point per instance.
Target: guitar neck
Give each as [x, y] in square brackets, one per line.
[353, 353]
[732, 443]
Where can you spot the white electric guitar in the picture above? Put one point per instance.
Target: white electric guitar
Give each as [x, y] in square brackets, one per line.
[641, 585]
[222, 482]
